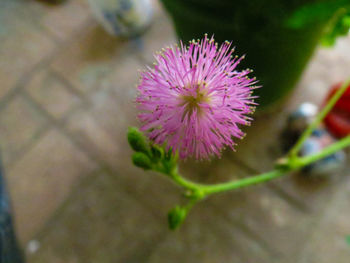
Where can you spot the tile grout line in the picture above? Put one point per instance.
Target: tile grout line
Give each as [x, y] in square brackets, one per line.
[320, 218]
[90, 178]
[68, 86]
[64, 204]
[91, 155]
[274, 187]
[101, 165]
[28, 75]
[19, 89]
[242, 255]
[27, 147]
[247, 231]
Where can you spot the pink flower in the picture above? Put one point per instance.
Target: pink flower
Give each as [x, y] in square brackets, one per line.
[194, 99]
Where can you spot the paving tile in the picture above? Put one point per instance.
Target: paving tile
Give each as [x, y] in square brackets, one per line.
[42, 179]
[206, 237]
[22, 46]
[328, 241]
[61, 21]
[258, 210]
[114, 108]
[52, 93]
[95, 139]
[20, 125]
[114, 228]
[94, 56]
[104, 136]
[270, 220]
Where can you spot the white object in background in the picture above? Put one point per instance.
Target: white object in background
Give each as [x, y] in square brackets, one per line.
[33, 246]
[123, 17]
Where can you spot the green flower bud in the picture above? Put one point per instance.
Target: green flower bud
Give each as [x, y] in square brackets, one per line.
[141, 160]
[176, 216]
[137, 140]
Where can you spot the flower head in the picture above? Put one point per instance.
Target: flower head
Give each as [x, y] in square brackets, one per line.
[194, 99]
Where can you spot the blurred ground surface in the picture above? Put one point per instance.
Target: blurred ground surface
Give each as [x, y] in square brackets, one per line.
[65, 103]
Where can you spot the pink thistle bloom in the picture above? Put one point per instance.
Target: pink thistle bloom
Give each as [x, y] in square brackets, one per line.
[194, 99]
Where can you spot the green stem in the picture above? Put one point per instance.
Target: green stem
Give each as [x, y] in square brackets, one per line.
[180, 180]
[300, 162]
[294, 151]
[211, 189]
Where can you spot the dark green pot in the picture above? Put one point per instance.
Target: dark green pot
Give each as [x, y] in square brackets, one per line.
[276, 53]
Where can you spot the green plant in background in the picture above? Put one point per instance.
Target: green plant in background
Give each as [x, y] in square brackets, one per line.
[192, 103]
[340, 27]
[337, 12]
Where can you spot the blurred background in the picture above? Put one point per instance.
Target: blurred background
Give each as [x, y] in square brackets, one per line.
[66, 100]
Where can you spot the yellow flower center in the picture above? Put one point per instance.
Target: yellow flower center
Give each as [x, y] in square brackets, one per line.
[192, 101]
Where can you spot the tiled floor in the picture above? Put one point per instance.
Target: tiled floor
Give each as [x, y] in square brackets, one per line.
[65, 104]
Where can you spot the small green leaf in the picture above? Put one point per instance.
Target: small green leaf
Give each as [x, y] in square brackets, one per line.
[138, 141]
[176, 217]
[141, 160]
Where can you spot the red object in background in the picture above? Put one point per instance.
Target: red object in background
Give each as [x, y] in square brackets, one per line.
[338, 120]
